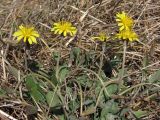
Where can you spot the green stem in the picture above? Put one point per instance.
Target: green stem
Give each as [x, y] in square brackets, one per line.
[101, 59]
[124, 60]
[141, 84]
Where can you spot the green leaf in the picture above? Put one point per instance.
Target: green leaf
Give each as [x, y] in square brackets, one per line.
[75, 52]
[155, 77]
[53, 77]
[56, 56]
[74, 55]
[110, 116]
[14, 71]
[61, 117]
[72, 117]
[37, 95]
[52, 99]
[120, 72]
[2, 93]
[112, 89]
[145, 60]
[30, 83]
[140, 113]
[34, 89]
[30, 110]
[63, 72]
[84, 81]
[124, 111]
[73, 105]
[110, 107]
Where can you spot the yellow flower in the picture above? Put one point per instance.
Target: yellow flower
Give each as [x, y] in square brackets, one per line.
[64, 27]
[124, 21]
[102, 37]
[127, 35]
[27, 34]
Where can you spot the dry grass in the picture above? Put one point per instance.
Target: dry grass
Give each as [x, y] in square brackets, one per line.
[90, 17]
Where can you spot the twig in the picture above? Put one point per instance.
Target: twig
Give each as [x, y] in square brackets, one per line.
[3, 65]
[150, 65]
[89, 15]
[6, 116]
[70, 40]
[45, 25]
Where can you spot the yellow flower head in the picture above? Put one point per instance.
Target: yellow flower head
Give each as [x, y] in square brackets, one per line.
[102, 37]
[64, 27]
[127, 35]
[27, 34]
[124, 21]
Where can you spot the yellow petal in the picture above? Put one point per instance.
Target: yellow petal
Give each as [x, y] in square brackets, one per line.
[120, 24]
[56, 27]
[35, 33]
[71, 33]
[123, 13]
[69, 24]
[118, 20]
[20, 37]
[65, 33]
[21, 27]
[56, 31]
[124, 37]
[127, 28]
[74, 32]
[33, 39]
[56, 24]
[18, 33]
[118, 15]
[73, 28]
[25, 38]
[121, 28]
[60, 31]
[95, 37]
[29, 40]
[130, 39]
[53, 29]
